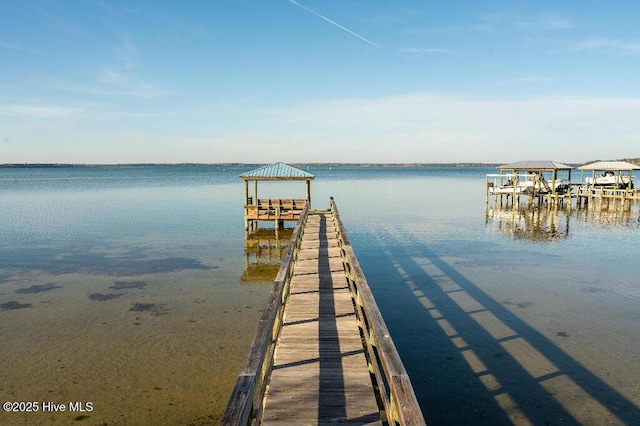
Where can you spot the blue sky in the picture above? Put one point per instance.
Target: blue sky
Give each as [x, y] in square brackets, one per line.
[99, 81]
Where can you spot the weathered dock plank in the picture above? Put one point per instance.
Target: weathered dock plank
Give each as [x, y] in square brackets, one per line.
[320, 372]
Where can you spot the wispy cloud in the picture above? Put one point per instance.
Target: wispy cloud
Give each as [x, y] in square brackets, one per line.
[122, 76]
[543, 22]
[529, 79]
[126, 53]
[333, 22]
[36, 111]
[125, 63]
[422, 50]
[61, 24]
[556, 22]
[497, 21]
[609, 45]
[17, 48]
[108, 84]
[139, 90]
[164, 114]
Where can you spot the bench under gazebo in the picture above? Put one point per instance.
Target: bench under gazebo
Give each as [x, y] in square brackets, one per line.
[276, 210]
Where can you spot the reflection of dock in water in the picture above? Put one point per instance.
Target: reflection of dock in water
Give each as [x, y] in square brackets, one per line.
[529, 223]
[610, 217]
[538, 223]
[264, 250]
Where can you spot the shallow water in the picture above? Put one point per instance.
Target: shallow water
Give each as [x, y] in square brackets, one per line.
[503, 317]
[130, 288]
[121, 287]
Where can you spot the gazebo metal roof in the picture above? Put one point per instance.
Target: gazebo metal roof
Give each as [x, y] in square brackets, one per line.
[535, 165]
[610, 166]
[277, 171]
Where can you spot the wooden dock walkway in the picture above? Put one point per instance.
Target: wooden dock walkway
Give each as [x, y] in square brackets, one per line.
[320, 372]
[322, 353]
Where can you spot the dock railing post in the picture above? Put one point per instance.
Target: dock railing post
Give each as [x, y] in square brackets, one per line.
[486, 200]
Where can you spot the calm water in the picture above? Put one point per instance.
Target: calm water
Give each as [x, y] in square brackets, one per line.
[127, 288]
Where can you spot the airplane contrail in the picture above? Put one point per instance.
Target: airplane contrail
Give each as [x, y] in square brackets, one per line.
[333, 23]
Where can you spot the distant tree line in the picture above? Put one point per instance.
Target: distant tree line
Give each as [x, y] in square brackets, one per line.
[629, 160]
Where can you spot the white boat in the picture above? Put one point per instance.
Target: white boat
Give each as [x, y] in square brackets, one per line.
[611, 179]
[532, 183]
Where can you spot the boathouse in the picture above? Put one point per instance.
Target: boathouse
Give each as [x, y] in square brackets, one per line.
[535, 179]
[607, 180]
[276, 210]
[616, 174]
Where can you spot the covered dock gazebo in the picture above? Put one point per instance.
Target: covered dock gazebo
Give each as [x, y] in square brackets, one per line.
[276, 210]
[616, 174]
[528, 178]
[614, 183]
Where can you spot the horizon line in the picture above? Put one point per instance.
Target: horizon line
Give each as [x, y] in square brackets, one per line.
[233, 163]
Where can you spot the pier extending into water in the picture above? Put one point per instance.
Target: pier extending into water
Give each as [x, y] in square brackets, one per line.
[322, 352]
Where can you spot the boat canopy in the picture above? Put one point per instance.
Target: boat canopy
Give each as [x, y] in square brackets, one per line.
[610, 166]
[535, 165]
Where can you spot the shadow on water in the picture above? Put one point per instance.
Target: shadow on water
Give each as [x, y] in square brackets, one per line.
[470, 359]
[102, 297]
[13, 305]
[58, 261]
[38, 288]
[125, 285]
[156, 309]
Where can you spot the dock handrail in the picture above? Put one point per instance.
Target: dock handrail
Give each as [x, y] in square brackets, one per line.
[394, 386]
[245, 403]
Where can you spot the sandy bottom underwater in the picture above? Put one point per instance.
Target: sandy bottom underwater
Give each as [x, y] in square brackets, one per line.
[148, 350]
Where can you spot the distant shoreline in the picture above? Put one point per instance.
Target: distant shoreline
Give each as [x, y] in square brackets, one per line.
[295, 164]
[398, 165]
